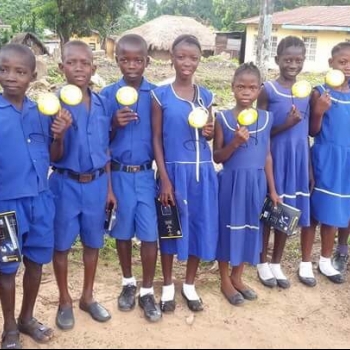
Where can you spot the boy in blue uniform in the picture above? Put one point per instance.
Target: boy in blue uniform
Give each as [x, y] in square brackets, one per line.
[24, 189]
[132, 175]
[80, 185]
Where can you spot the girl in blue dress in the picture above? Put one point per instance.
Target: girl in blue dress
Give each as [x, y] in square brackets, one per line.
[186, 171]
[245, 155]
[289, 149]
[330, 125]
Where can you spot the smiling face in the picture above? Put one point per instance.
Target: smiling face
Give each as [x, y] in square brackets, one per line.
[77, 64]
[17, 71]
[291, 62]
[185, 58]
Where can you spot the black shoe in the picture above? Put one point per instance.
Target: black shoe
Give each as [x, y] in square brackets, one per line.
[167, 306]
[283, 283]
[337, 279]
[65, 318]
[271, 282]
[126, 299]
[248, 294]
[308, 281]
[340, 262]
[151, 310]
[96, 311]
[193, 305]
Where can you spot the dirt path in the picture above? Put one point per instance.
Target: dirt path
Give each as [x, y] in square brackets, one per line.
[300, 317]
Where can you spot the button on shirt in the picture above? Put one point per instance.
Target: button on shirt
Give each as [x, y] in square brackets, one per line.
[86, 141]
[24, 150]
[132, 144]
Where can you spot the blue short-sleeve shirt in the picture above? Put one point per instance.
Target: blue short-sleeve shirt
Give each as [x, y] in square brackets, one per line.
[24, 145]
[132, 144]
[86, 141]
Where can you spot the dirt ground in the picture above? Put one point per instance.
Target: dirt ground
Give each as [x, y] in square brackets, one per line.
[300, 317]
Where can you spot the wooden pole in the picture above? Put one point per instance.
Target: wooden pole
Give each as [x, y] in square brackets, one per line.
[264, 36]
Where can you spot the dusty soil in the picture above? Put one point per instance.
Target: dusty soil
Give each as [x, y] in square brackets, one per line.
[300, 317]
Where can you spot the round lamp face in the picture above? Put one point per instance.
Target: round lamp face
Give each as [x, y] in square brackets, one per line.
[71, 95]
[48, 104]
[198, 117]
[247, 116]
[127, 96]
[335, 78]
[301, 89]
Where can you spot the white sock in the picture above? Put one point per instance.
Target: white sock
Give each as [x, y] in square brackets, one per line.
[264, 271]
[168, 293]
[326, 267]
[277, 272]
[129, 281]
[305, 269]
[144, 291]
[190, 291]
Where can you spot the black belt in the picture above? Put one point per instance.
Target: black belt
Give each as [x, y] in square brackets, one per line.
[82, 178]
[115, 166]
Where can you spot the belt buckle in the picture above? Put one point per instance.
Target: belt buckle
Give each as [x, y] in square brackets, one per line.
[133, 168]
[85, 178]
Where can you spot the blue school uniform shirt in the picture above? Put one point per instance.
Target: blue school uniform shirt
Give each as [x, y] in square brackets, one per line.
[24, 145]
[179, 138]
[132, 144]
[86, 141]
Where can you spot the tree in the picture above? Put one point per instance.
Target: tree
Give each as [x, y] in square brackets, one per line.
[68, 17]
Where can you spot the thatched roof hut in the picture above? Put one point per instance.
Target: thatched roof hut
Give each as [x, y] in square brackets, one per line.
[162, 31]
[32, 41]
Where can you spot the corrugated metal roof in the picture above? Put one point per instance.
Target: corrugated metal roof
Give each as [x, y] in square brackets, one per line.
[338, 16]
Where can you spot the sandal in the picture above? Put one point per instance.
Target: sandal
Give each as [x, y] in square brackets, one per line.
[10, 340]
[36, 330]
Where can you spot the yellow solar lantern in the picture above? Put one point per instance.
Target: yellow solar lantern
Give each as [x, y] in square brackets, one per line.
[247, 117]
[71, 95]
[127, 96]
[335, 78]
[198, 117]
[48, 104]
[301, 89]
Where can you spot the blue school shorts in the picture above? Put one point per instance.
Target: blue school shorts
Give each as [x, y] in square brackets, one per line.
[35, 217]
[136, 211]
[80, 210]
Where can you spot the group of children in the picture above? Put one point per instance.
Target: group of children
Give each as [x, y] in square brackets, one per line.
[101, 153]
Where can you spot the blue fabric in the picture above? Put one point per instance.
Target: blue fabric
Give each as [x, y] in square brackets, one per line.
[290, 150]
[330, 200]
[80, 209]
[197, 200]
[35, 222]
[136, 212]
[24, 145]
[132, 144]
[86, 141]
[242, 190]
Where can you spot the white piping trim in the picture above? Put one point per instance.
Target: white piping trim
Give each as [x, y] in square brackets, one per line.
[335, 99]
[250, 132]
[278, 92]
[204, 161]
[155, 97]
[332, 193]
[294, 195]
[242, 227]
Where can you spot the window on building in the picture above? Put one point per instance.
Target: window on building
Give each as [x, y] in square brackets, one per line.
[310, 44]
[93, 46]
[273, 46]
